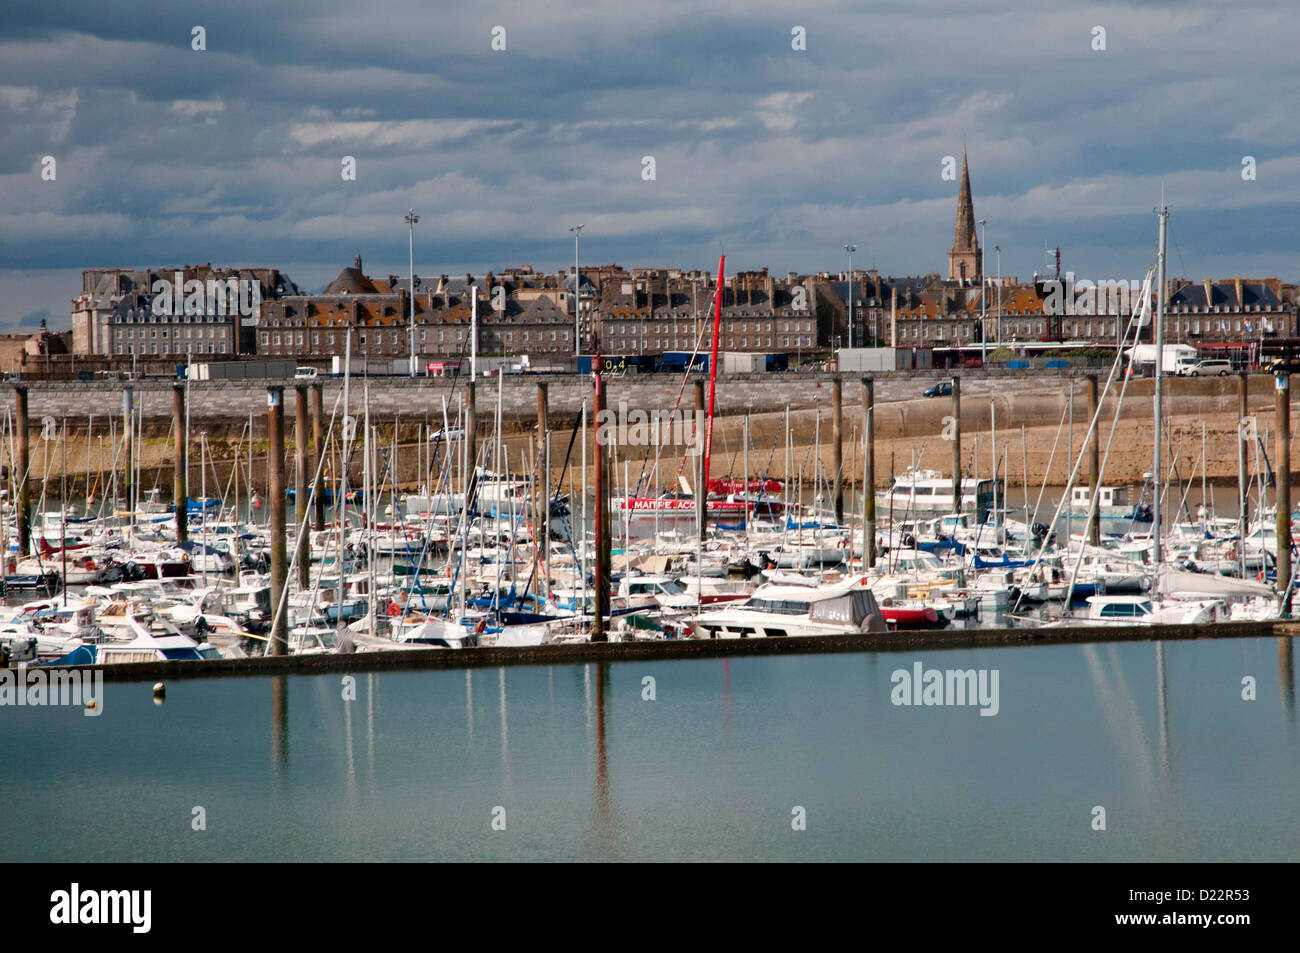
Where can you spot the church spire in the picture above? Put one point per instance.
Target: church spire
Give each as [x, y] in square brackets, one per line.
[964, 259]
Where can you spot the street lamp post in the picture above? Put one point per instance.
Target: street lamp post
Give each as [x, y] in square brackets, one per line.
[850, 249]
[983, 297]
[411, 219]
[577, 304]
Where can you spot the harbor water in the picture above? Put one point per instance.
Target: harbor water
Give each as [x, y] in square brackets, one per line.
[710, 760]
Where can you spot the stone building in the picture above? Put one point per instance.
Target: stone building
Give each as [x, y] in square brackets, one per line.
[519, 312]
[653, 311]
[115, 315]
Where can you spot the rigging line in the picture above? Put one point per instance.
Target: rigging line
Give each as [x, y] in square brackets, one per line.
[1133, 328]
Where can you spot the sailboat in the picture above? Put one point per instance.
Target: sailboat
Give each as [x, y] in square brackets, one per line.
[722, 497]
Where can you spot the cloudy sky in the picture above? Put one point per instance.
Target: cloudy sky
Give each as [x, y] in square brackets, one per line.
[165, 155]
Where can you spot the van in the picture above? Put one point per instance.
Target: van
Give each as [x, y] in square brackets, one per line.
[305, 374]
[1210, 369]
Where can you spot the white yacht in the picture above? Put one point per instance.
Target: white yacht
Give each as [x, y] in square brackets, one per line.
[929, 493]
[845, 608]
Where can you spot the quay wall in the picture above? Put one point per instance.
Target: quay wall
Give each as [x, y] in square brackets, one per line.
[659, 650]
[233, 401]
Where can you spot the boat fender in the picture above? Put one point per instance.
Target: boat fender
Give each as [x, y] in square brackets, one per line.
[159, 689]
[394, 609]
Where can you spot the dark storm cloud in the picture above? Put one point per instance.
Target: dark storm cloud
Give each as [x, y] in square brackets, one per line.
[166, 155]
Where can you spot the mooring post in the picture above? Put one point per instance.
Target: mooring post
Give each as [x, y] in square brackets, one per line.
[1243, 411]
[1094, 466]
[300, 438]
[956, 449]
[1282, 467]
[276, 491]
[544, 518]
[181, 479]
[701, 491]
[869, 473]
[601, 581]
[837, 445]
[128, 434]
[318, 448]
[23, 483]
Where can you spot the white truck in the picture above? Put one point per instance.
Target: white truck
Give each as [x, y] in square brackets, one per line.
[1176, 359]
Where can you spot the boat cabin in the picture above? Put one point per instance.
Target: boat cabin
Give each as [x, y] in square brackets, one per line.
[1081, 498]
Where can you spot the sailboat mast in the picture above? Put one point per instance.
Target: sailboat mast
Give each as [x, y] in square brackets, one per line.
[1163, 212]
[713, 372]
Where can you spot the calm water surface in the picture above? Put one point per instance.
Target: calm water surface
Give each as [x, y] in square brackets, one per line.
[712, 769]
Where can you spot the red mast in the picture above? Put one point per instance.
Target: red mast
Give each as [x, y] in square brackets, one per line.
[713, 372]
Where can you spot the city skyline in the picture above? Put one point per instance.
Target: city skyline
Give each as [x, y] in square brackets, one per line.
[232, 154]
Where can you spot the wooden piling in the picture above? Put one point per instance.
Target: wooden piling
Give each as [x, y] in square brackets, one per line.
[837, 446]
[1282, 467]
[318, 448]
[543, 516]
[24, 465]
[601, 581]
[1094, 466]
[279, 644]
[956, 447]
[180, 481]
[300, 438]
[869, 473]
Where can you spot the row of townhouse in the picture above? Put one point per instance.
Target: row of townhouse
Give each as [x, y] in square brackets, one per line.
[215, 312]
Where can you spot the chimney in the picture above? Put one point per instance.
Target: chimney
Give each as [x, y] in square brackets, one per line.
[356, 263]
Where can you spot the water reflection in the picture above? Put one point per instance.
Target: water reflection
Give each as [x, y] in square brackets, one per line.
[1119, 710]
[372, 685]
[505, 727]
[603, 823]
[469, 706]
[1162, 704]
[1286, 676]
[280, 722]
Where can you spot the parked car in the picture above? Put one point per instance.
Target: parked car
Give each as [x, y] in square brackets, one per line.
[451, 433]
[305, 373]
[941, 389]
[1210, 369]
